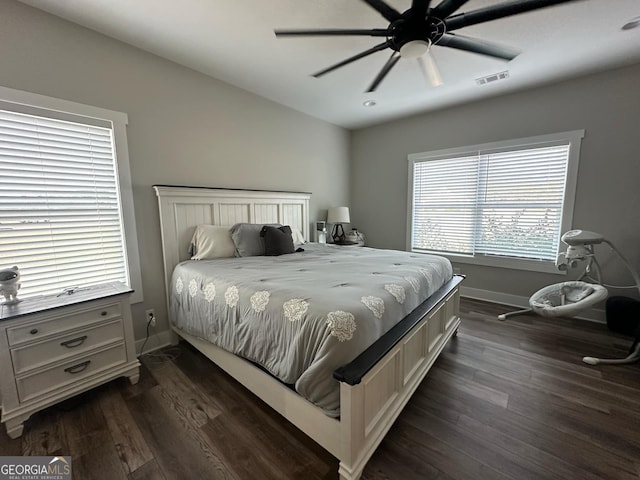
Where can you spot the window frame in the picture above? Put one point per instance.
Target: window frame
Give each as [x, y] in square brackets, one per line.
[118, 122]
[573, 138]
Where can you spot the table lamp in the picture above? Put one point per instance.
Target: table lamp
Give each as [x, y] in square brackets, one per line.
[338, 216]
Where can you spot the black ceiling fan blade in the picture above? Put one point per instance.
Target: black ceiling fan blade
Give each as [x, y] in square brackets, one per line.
[419, 8]
[393, 59]
[375, 49]
[474, 45]
[371, 32]
[385, 10]
[447, 7]
[507, 9]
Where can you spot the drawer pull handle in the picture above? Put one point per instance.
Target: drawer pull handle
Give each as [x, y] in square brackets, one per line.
[76, 342]
[104, 313]
[81, 367]
[33, 331]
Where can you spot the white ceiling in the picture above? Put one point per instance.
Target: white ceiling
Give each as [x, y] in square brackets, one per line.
[234, 41]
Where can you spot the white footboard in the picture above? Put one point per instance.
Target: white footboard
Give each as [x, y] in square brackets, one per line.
[369, 408]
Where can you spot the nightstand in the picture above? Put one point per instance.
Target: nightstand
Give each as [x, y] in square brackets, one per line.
[55, 347]
[349, 244]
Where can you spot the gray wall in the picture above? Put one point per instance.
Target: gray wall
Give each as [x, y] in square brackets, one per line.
[184, 128]
[606, 105]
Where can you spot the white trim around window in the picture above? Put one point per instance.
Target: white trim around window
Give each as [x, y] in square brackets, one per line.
[27, 102]
[469, 185]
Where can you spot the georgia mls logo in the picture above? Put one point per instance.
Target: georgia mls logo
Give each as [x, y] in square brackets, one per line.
[58, 465]
[35, 468]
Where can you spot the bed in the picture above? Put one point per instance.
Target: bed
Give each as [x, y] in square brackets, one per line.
[377, 340]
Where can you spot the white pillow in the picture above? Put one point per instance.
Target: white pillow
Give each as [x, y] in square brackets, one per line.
[212, 241]
[298, 238]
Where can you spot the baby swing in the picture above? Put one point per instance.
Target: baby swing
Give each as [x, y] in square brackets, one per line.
[567, 299]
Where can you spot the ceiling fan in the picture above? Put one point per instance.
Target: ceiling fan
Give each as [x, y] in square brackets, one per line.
[412, 34]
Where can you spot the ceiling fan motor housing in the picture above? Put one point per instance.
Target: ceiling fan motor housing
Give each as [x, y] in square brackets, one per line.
[409, 32]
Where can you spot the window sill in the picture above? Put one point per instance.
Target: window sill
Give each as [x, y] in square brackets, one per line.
[501, 262]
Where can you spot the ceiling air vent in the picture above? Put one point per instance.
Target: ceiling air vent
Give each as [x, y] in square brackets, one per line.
[492, 78]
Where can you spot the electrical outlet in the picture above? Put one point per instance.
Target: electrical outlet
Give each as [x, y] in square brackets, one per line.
[151, 316]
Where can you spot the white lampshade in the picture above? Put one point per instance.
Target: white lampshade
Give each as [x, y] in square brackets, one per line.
[338, 215]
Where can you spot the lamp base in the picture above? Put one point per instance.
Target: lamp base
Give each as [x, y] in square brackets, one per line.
[338, 234]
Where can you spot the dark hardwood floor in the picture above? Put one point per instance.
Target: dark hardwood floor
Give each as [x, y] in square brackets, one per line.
[506, 400]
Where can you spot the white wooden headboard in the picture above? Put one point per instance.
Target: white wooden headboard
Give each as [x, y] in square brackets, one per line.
[183, 208]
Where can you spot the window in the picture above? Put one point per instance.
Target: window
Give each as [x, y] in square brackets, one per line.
[62, 198]
[503, 204]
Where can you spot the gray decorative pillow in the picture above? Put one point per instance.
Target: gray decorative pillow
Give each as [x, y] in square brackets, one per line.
[277, 240]
[247, 240]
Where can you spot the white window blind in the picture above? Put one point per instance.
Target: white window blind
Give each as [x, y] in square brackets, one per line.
[60, 214]
[444, 204]
[506, 201]
[520, 204]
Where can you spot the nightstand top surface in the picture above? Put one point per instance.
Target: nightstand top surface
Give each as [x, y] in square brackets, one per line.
[42, 303]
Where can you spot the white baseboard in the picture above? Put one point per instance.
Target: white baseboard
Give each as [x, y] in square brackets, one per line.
[591, 314]
[156, 341]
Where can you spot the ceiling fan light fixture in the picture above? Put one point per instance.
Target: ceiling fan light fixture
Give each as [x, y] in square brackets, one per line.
[430, 70]
[414, 48]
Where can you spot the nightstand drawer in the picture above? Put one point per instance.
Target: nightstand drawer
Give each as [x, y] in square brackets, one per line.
[38, 354]
[57, 325]
[67, 373]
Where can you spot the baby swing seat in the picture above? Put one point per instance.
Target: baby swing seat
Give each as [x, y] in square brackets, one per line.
[566, 299]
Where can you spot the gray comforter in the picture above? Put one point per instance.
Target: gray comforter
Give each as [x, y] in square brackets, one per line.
[302, 315]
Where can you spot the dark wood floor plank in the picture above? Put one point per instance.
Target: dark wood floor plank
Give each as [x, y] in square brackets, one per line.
[541, 403]
[239, 449]
[182, 395]
[84, 424]
[91, 447]
[550, 455]
[180, 452]
[527, 413]
[496, 354]
[482, 392]
[464, 351]
[45, 435]
[536, 361]
[580, 417]
[443, 456]
[483, 444]
[146, 382]
[99, 464]
[586, 429]
[288, 447]
[400, 460]
[557, 338]
[9, 446]
[149, 471]
[599, 389]
[130, 445]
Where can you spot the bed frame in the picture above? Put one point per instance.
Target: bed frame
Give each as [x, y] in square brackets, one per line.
[374, 388]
